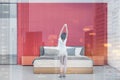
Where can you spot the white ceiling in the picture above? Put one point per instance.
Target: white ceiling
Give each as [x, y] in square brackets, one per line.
[54, 1]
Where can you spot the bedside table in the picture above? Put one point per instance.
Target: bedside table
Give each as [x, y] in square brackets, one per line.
[27, 60]
[98, 60]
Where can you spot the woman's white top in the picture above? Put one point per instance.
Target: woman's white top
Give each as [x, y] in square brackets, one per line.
[62, 47]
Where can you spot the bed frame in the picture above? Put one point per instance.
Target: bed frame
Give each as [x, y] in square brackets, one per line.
[70, 70]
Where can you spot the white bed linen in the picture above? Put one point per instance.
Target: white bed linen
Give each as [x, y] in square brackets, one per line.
[56, 63]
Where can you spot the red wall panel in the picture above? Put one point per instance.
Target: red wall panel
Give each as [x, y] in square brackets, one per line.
[101, 30]
[23, 27]
[28, 42]
[33, 41]
[95, 43]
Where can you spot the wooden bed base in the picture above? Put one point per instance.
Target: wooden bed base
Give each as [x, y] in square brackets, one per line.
[52, 70]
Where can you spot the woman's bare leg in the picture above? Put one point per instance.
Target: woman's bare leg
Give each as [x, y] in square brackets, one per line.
[61, 66]
[65, 66]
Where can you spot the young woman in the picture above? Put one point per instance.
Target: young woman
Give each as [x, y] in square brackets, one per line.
[63, 50]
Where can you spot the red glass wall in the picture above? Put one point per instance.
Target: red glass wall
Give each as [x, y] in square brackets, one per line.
[23, 27]
[101, 30]
[48, 19]
[96, 39]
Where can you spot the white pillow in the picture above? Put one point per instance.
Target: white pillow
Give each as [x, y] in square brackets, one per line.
[50, 51]
[77, 51]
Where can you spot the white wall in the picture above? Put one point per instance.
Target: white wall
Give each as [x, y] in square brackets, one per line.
[13, 29]
[8, 34]
[114, 33]
[8, 29]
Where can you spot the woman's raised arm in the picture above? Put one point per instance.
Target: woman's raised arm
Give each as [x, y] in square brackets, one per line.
[64, 26]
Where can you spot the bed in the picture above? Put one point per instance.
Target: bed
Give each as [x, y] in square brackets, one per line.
[75, 65]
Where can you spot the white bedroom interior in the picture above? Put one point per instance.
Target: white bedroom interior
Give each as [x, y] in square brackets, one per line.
[11, 69]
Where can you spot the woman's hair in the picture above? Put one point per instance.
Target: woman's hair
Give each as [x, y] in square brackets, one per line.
[63, 36]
